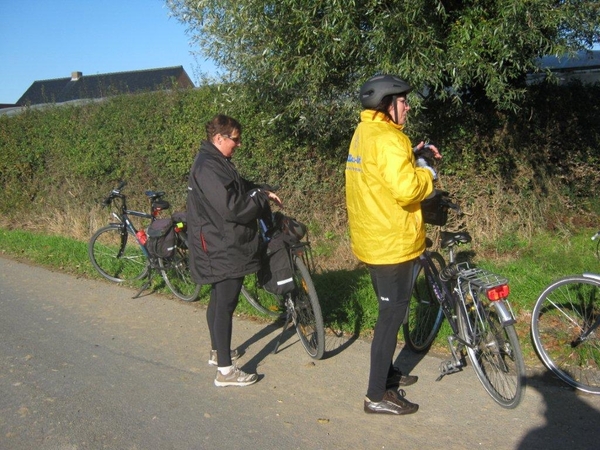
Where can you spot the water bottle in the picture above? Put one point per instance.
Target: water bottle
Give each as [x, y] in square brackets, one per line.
[142, 237]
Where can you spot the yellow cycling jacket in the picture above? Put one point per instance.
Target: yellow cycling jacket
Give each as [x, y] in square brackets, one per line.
[383, 193]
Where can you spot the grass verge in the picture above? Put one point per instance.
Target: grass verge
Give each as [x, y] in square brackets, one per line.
[346, 296]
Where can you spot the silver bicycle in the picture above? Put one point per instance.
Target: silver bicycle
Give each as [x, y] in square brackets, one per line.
[475, 304]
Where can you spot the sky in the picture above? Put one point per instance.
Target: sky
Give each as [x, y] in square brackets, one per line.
[47, 39]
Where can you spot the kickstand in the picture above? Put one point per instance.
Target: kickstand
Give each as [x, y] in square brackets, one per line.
[146, 284]
[290, 311]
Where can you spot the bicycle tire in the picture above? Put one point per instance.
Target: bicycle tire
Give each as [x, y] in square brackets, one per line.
[494, 352]
[307, 315]
[564, 310]
[424, 315]
[264, 302]
[175, 270]
[116, 254]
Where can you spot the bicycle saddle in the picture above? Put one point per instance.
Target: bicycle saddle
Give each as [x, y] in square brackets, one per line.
[448, 239]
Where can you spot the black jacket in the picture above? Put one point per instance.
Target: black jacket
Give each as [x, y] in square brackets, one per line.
[222, 212]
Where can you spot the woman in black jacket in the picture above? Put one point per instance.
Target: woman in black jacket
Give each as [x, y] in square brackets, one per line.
[223, 209]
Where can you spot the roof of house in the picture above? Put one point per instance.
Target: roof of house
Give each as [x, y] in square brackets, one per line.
[583, 67]
[79, 86]
[583, 60]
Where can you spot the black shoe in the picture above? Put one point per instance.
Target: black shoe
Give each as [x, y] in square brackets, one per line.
[393, 403]
[397, 379]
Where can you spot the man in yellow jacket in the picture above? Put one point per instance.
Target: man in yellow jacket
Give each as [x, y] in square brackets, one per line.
[385, 184]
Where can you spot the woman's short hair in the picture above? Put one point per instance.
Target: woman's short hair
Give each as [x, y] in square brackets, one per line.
[222, 124]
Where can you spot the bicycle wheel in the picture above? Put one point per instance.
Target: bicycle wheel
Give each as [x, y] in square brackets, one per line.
[116, 254]
[566, 310]
[264, 302]
[307, 315]
[424, 314]
[494, 351]
[176, 273]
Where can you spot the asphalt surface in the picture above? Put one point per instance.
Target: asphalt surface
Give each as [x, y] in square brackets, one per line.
[83, 365]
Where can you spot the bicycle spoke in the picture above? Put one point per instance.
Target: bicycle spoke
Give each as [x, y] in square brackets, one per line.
[176, 273]
[116, 257]
[563, 333]
[264, 302]
[307, 316]
[424, 314]
[495, 353]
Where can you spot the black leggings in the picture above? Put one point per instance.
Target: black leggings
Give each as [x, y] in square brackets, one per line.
[224, 298]
[393, 286]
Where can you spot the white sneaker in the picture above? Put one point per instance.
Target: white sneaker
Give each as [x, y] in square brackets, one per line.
[235, 377]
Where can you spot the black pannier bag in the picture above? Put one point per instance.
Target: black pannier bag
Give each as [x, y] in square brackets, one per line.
[435, 209]
[292, 230]
[161, 238]
[276, 274]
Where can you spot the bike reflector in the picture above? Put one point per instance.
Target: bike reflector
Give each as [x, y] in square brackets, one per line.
[498, 293]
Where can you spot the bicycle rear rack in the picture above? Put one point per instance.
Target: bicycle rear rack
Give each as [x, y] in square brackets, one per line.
[482, 281]
[479, 277]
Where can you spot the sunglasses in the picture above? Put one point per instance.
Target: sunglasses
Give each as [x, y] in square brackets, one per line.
[236, 139]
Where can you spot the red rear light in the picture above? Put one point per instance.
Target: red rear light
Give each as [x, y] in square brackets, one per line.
[498, 292]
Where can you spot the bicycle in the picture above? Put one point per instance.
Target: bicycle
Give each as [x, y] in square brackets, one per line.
[300, 306]
[565, 329]
[474, 302]
[118, 251]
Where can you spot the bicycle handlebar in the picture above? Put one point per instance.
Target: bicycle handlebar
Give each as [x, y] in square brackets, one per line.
[426, 153]
[114, 193]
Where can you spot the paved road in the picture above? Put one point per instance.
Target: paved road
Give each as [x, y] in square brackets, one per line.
[85, 366]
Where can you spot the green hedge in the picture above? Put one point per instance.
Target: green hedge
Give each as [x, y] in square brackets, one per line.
[62, 159]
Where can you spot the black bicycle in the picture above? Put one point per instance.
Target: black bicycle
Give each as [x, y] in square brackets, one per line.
[119, 251]
[475, 304]
[300, 305]
[565, 328]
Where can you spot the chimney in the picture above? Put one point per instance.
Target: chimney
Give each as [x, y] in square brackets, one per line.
[76, 76]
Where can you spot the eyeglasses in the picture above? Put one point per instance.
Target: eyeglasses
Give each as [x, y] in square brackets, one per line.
[237, 139]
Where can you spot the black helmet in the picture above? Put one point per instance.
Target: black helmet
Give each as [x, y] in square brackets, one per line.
[377, 87]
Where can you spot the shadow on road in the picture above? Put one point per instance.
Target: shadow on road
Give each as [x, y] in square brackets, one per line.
[570, 421]
[341, 308]
[252, 364]
[407, 360]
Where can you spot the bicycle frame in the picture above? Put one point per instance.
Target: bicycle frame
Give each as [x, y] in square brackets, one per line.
[123, 220]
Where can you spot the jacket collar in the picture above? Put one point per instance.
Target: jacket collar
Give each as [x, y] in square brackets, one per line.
[370, 115]
[210, 148]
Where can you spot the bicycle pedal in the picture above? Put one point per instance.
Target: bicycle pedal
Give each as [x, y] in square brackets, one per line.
[448, 367]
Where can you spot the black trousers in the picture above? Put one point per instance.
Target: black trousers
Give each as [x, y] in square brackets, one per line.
[393, 286]
[224, 297]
